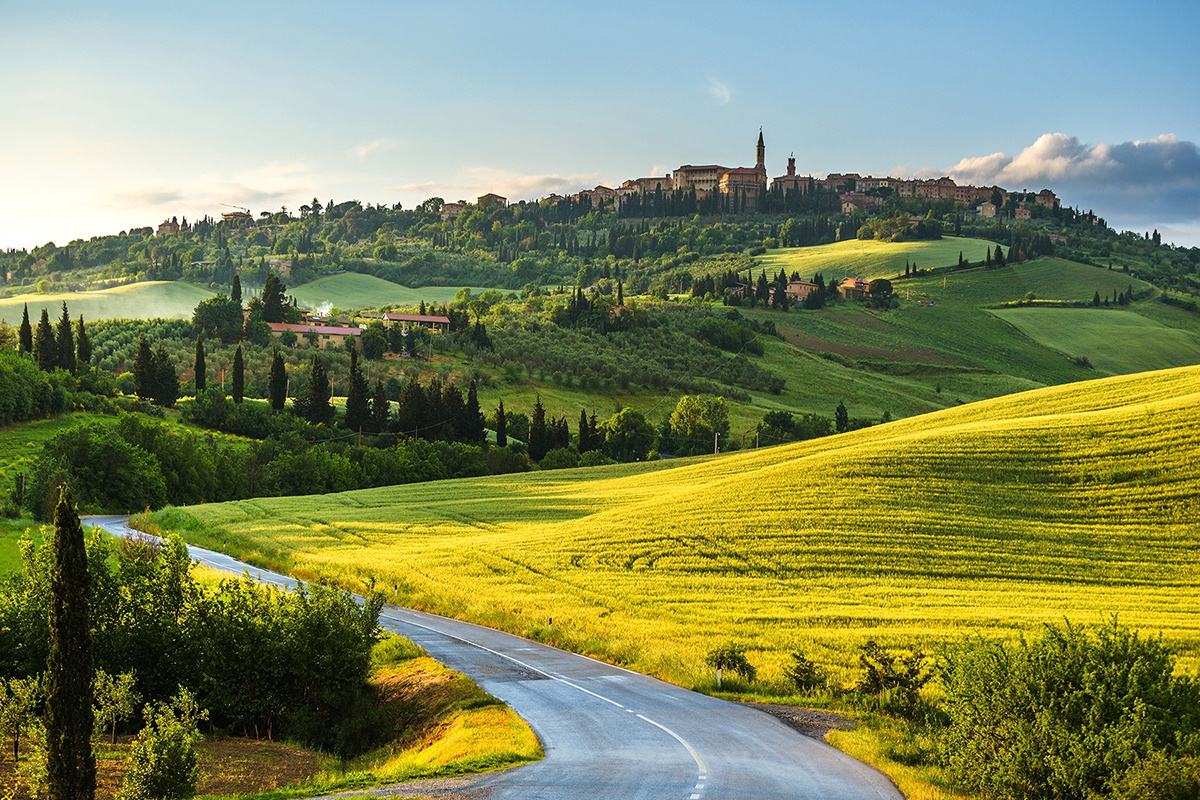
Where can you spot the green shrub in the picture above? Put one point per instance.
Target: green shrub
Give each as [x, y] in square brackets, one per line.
[731, 657]
[1071, 715]
[805, 675]
[162, 762]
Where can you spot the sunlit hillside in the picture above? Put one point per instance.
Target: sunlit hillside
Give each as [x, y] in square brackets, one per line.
[355, 290]
[872, 259]
[146, 300]
[1077, 501]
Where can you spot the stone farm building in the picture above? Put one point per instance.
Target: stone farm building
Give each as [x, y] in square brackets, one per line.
[326, 334]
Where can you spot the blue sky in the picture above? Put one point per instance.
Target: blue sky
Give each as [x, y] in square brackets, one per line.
[119, 114]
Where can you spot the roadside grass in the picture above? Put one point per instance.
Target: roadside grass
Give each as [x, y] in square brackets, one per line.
[1075, 502]
[1113, 340]
[21, 442]
[351, 290]
[871, 259]
[144, 300]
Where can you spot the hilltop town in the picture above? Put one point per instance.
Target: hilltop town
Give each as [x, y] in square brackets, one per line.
[749, 189]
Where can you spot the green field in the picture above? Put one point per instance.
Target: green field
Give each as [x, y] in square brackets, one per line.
[1077, 501]
[871, 259]
[354, 290]
[146, 300]
[1115, 341]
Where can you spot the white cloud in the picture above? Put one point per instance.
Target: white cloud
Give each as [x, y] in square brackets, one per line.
[720, 91]
[470, 183]
[1155, 182]
[364, 149]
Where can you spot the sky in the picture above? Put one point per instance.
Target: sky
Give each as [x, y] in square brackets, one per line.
[121, 114]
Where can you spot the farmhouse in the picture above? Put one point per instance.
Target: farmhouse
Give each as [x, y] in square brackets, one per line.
[798, 290]
[451, 210]
[489, 200]
[854, 288]
[335, 334]
[168, 227]
[435, 324]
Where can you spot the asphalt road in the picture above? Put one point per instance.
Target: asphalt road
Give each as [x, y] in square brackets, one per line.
[612, 733]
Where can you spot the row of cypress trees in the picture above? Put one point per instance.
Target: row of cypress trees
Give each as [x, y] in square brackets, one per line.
[54, 347]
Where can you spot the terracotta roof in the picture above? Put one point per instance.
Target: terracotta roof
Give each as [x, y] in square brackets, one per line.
[327, 330]
[415, 318]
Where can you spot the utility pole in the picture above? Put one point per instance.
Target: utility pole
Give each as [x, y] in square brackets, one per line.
[716, 446]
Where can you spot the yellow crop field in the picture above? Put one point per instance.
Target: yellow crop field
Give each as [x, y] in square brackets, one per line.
[1077, 501]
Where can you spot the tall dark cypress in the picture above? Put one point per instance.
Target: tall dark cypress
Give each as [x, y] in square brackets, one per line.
[166, 382]
[474, 418]
[501, 426]
[277, 386]
[239, 377]
[538, 437]
[272, 299]
[318, 407]
[584, 442]
[358, 408]
[198, 367]
[66, 342]
[143, 370]
[83, 346]
[45, 348]
[71, 765]
[25, 335]
[235, 291]
[381, 409]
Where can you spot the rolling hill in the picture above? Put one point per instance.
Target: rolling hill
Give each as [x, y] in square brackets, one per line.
[1114, 341]
[872, 259]
[1077, 501]
[354, 290]
[146, 300]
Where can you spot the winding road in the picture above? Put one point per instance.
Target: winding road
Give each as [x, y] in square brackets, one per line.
[612, 733]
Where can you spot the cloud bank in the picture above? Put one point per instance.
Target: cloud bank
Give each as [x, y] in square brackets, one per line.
[471, 183]
[1133, 184]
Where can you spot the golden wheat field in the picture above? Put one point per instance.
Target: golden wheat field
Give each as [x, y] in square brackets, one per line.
[1079, 502]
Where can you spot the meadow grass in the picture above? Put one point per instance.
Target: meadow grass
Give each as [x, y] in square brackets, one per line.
[144, 300]
[11, 531]
[1114, 341]
[355, 290]
[871, 259]
[1076, 502]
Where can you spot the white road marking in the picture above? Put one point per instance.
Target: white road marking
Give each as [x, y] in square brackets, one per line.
[695, 797]
[682, 741]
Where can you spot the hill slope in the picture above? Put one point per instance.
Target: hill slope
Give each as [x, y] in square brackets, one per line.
[1077, 501]
[872, 259]
[146, 300]
[354, 290]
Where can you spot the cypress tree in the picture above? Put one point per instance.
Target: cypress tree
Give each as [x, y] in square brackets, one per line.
[501, 426]
[45, 348]
[143, 366]
[620, 294]
[25, 336]
[413, 413]
[83, 346]
[235, 291]
[841, 418]
[381, 409]
[358, 403]
[166, 382]
[272, 299]
[277, 386]
[319, 409]
[239, 376]
[584, 442]
[538, 441]
[473, 426]
[66, 342]
[422, 309]
[198, 368]
[999, 256]
[71, 765]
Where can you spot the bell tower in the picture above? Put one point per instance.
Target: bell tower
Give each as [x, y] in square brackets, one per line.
[791, 173]
[761, 163]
